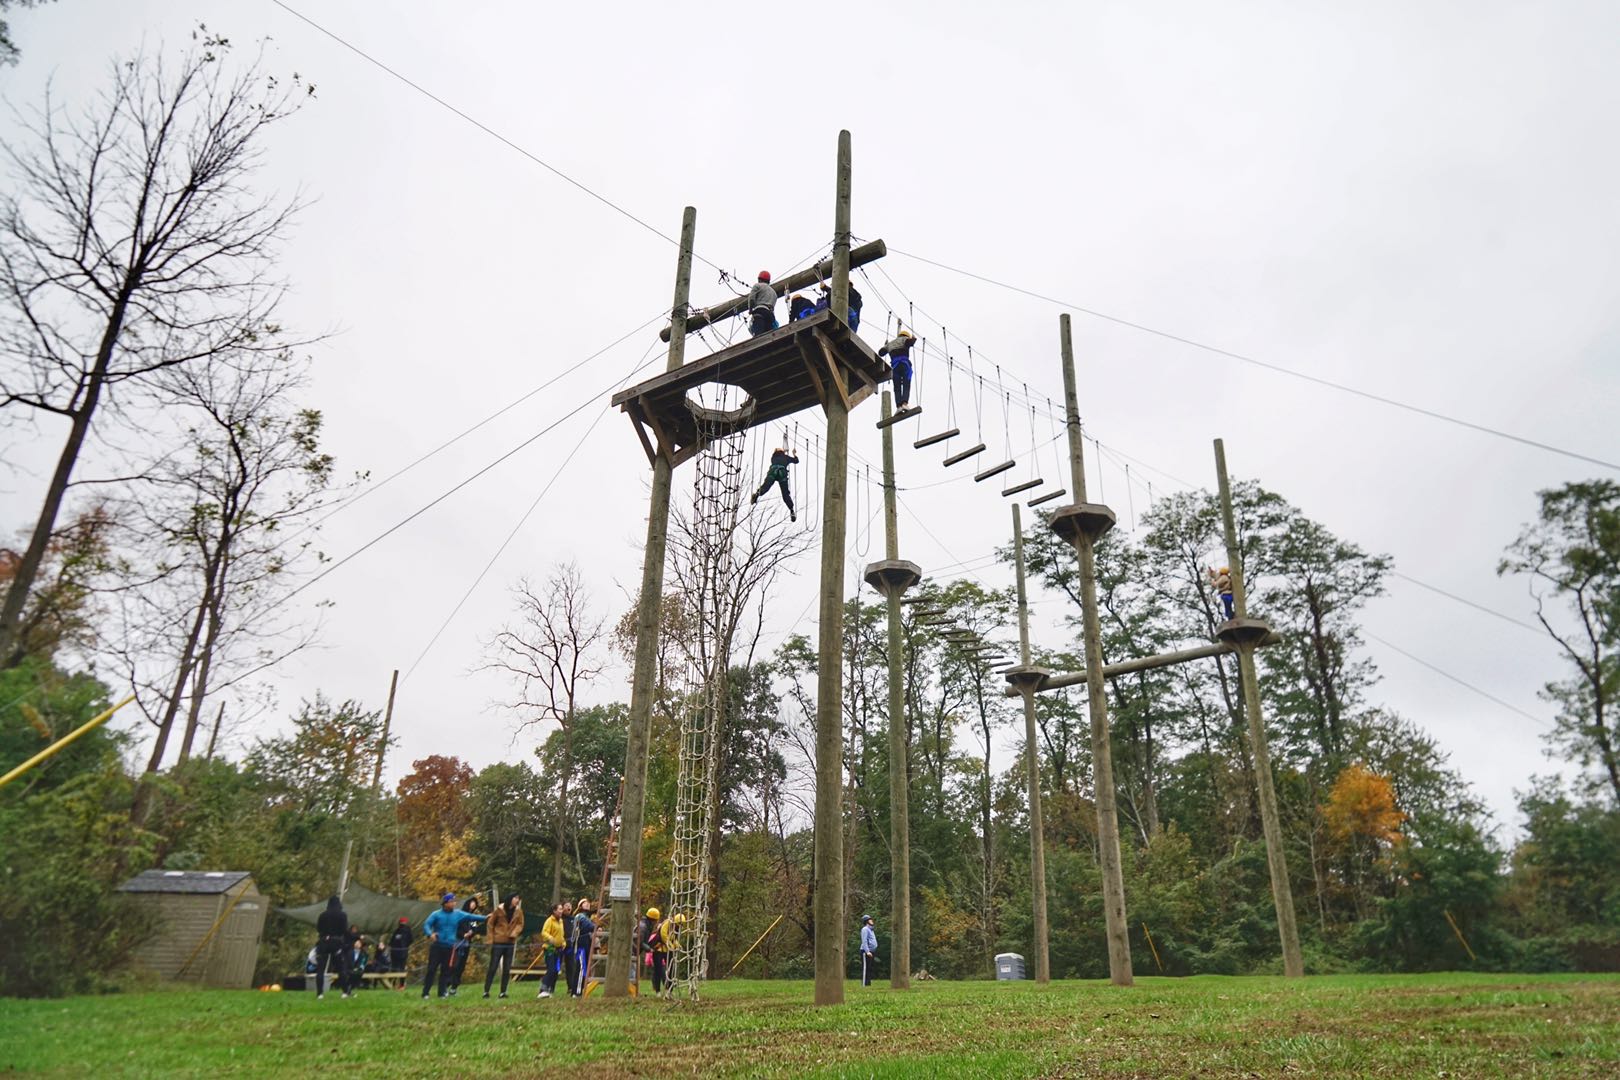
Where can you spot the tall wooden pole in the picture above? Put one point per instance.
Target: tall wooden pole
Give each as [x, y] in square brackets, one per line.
[1032, 766]
[829, 816]
[382, 744]
[1282, 893]
[644, 675]
[1082, 524]
[892, 578]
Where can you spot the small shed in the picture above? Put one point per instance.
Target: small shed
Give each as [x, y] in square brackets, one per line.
[208, 924]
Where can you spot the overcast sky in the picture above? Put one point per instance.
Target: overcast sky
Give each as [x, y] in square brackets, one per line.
[1422, 201]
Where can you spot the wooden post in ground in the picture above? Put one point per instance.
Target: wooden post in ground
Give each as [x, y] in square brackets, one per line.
[892, 577]
[644, 674]
[1026, 678]
[382, 744]
[1082, 524]
[828, 903]
[1246, 633]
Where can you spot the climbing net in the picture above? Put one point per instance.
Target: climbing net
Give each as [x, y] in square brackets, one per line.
[716, 497]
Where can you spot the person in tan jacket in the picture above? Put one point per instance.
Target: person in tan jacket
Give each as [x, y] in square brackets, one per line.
[1222, 584]
[505, 926]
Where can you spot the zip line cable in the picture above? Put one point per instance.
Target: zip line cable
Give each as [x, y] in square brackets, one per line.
[1317, 379]
[1460, 682]
[486, 129]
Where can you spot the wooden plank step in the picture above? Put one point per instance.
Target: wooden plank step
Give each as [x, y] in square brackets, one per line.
[1048, 497]
[932, 439]
[994, 470]
[1025, 486]
[964, 455]
[904, 414]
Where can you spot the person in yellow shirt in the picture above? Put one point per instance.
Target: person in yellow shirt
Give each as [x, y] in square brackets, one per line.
[667, 939]
[554, 939]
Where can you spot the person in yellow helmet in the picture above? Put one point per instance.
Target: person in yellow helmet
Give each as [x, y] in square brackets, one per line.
[652, 940]
[668, 939]
[1222, 584]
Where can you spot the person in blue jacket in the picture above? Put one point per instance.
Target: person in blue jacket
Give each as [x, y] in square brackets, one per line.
[868, 950]
[584, 927]
[898, 350]
[443, 930]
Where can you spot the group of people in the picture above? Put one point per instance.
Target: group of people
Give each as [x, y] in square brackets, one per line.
[760, 306]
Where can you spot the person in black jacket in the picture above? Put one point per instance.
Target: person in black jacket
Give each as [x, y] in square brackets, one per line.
[333, 947]
[778, 474]
[463, 945]
[399, 946]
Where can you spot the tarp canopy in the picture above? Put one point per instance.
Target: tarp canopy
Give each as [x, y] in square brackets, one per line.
[372, 912]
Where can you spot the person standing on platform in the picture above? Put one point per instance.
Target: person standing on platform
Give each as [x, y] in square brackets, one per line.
[505, 926]
[778, 474]
[868, 950]
[761, 306]
[898, 350]
[554, 940]
[584, 928]
[800, 307]
[399, 946]
[333, 948]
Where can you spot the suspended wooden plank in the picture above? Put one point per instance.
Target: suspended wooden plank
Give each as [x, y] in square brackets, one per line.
[964, 455]
[1048, 497]
[994, 470]
[932, 439]
[1025, 486]
[904, 414]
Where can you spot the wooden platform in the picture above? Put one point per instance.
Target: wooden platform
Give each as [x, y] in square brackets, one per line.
[792, 368]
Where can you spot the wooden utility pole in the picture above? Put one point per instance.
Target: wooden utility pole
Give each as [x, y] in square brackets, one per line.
[382, 744]
[892, 577]
[1082, 524]
[645, 672]
[1025, 678]
[828, 904]
[1246, 633]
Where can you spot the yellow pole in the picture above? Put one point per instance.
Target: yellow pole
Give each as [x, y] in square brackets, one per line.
[754, 946]
[62, 743]
[1149, 935]
[1455, 929]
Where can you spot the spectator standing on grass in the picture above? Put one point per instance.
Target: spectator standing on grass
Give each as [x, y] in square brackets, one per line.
[333, 948]
[399, 945]
[554, 942]
[868, 949]
[464, 936]
[584, 928]
[505, 926]
[443, 930]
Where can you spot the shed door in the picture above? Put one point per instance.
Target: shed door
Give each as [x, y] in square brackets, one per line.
[236, 951]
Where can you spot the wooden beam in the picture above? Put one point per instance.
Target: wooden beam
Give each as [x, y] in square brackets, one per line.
[867, 253]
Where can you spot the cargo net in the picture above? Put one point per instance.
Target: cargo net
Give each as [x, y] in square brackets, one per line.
[716, 497]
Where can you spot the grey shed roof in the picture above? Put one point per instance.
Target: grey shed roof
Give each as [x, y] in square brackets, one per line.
[201, 882]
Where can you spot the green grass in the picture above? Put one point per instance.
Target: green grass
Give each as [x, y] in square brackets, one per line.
[1453, 1025]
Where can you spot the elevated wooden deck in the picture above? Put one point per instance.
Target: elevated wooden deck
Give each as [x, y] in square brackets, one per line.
[783, 372]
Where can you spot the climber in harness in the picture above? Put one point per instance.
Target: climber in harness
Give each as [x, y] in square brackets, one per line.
[800, 307]
[778, 474]
[761, 306]
[824, 301]
[898, 350]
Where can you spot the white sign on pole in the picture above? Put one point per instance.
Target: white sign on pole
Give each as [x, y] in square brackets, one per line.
[619, 885]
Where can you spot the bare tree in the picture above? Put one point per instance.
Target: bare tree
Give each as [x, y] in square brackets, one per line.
[218, 528]
[551, 652]
[131, 244]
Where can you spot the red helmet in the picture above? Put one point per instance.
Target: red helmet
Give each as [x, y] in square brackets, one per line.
[765, 275]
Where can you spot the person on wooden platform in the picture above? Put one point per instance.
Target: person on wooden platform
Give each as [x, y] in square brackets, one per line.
[898, 350]
[761, 306]
[824, 301]
[778, 474]
[800, 306]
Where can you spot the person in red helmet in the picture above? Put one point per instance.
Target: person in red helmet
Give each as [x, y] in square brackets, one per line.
[761, 306]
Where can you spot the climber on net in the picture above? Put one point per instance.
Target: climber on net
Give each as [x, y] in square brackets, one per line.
[778, 474]
[761, 306]
[898, 350]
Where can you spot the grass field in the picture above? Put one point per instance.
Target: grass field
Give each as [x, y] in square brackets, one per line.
[1429, 1025]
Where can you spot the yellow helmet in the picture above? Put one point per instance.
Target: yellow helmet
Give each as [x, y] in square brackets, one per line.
[652, 913]
[680, 919]
[1226, 570]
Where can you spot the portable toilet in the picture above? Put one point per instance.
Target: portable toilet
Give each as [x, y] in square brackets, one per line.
[207, 925]
[1009, 965]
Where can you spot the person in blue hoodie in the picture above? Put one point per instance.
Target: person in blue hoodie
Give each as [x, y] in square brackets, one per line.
[584, 927]
[868, 950]
[443, 930]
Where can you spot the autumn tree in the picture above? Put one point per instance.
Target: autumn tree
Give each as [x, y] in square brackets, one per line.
[131, 244]
[432, 814]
